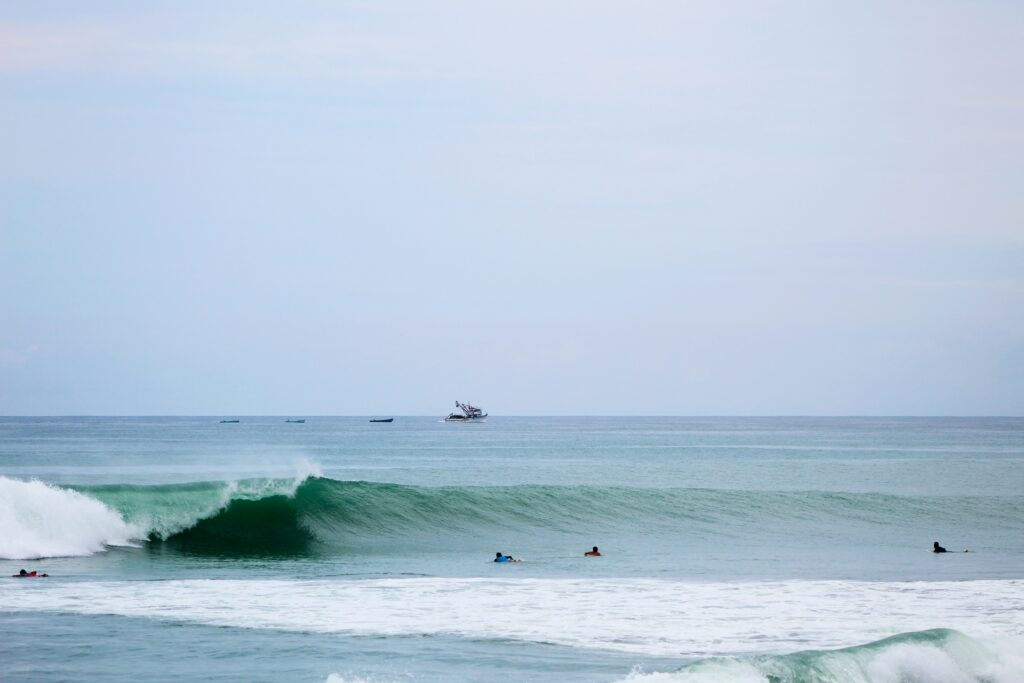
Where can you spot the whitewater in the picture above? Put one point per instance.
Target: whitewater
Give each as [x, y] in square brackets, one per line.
[647, 616]
[736, 550]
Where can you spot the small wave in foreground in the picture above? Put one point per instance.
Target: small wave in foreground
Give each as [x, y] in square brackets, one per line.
[933, 656]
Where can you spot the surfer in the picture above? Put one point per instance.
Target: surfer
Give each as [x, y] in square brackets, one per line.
[936, 548]
[498, 557]
[592, 553]
[28, 575]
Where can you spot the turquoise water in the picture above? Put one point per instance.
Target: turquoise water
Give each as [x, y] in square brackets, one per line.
[734, 549]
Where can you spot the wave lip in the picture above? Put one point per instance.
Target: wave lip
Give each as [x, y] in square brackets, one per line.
[39, 520]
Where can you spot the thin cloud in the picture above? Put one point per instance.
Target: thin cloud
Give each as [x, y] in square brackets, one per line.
[14, 358]
[306, 52]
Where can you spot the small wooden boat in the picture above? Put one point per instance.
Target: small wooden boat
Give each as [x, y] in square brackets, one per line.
[383, 419]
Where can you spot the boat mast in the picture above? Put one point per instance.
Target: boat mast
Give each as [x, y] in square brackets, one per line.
[469, 410]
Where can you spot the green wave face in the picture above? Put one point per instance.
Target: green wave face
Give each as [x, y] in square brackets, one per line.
[269, 526]
[268, 516]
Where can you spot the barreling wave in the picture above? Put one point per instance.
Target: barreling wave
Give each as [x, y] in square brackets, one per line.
[933, 656]
[295, 515]
[43, 520]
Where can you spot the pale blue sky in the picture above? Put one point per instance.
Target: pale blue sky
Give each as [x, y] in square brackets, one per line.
[546, 208]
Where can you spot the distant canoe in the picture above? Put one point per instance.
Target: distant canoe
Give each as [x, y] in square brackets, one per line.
[299, 422]
[229, 422]
[384, 419]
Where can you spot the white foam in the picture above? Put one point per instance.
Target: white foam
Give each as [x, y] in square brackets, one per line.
[717, 671]
[911, 661]
[648, 616]
[39, 520]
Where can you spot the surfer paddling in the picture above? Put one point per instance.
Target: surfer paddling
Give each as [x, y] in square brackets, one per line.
[592, 553]
[936, 548]
[498, 557]
[28, 575]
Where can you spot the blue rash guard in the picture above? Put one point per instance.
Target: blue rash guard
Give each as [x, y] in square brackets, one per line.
[503, 558]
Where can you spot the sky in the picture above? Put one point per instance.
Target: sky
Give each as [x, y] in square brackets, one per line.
[545, 208]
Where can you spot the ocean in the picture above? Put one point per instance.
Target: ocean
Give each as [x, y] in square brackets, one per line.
[741, 550]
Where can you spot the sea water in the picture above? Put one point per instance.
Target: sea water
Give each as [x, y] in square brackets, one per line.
[733, 549]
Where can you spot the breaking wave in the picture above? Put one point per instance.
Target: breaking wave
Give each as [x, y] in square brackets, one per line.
[294, 515]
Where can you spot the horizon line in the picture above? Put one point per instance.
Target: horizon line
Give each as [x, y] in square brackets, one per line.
[567, 415]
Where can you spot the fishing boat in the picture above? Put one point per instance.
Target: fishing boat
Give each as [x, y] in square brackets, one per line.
[469, 414]
[298, 422]
[383, 419]
[229, 422]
